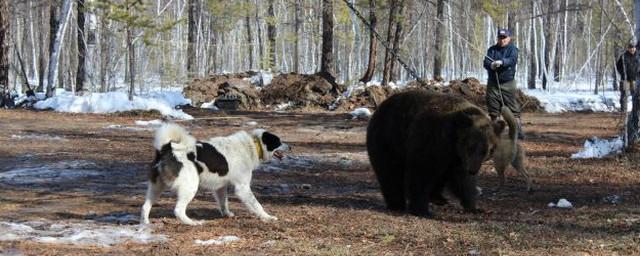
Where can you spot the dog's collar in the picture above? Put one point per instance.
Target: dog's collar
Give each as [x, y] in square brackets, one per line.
[258, 148]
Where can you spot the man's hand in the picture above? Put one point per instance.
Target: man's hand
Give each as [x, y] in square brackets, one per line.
[496, 64]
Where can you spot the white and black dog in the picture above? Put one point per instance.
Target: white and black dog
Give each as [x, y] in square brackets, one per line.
[184, 164]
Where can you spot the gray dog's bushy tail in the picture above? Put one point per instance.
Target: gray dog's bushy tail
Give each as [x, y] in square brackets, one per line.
[511, 122]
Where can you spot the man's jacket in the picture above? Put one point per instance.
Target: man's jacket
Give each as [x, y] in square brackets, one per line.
[628, 71]
[509, 57]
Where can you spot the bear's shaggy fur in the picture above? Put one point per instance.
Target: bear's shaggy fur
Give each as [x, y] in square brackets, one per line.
[420, 142]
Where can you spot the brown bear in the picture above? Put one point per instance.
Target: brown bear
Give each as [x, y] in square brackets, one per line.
[420, 142]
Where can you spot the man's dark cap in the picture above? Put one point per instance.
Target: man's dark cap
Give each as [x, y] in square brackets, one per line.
[504, 33]
[631, 45]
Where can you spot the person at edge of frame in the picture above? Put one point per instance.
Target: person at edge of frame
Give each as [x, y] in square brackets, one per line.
[628, 66]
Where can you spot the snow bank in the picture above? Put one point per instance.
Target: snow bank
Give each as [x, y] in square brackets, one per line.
[83, 233]
[598, 148]
[565, 101]
[219, 241]
[111, 102]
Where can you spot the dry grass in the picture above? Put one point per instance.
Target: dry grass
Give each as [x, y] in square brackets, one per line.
[342, 212]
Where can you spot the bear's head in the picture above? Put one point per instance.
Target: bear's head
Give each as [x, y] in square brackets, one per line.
[476, 138]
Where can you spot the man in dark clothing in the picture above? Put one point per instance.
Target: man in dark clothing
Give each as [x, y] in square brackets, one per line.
[628, 66]
[500, 62]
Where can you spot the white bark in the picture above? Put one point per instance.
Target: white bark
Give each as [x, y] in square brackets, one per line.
[52, 77]
[626, 18]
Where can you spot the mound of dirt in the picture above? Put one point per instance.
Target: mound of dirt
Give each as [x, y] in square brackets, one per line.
[303, 91]
[234, 86]
[471, 89]
[369, 97]
[315, 92]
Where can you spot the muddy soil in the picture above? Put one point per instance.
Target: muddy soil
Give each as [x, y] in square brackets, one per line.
[324, 193]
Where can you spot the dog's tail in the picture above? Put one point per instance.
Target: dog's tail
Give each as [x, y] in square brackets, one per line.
[511, 122]
[175, 134]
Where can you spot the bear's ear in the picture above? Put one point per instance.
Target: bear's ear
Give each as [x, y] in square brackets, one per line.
[498, 127]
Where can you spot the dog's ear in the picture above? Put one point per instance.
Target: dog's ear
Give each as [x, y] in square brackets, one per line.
[270, 140]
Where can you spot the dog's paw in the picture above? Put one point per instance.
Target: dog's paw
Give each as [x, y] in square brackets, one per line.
[193, 222]
[268, 218]
[228, 214]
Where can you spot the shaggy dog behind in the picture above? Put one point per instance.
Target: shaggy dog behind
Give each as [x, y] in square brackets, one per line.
[419, 143]
[509, 151]
[183, 164]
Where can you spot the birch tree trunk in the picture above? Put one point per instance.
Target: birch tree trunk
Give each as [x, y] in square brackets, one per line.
[531, 82]
[132, 58]
[373, 43]
[439, 38]
[41, 53]
[547, 31]
[104, 55]
[388, 58]
[52, 76]
[5, 48]
[271, 35]
[34, 43]
[296, 44]
[399, 21]
[260, 43]
[326, 63]
[191, 38]
[82, 47]
[247, 20]
[600, 53]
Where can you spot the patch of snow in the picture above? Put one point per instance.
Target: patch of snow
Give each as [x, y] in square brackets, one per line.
[562, 203]
[36, 137]
[153, 123]
[579, 101]
[262, 78]
[219, 241]
[252, 123]
[284, 106]
[127, 128]
[83, 233]
[316, 161]
[111, 102]
[360, 113]
[119, 218]
[210, 105]
[612, 199]
[51, 173]
[598, 148]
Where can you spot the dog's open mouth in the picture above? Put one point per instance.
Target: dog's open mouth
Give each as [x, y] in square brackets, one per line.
[278, 154]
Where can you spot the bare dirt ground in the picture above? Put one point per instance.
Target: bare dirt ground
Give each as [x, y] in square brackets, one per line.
[325, 195]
